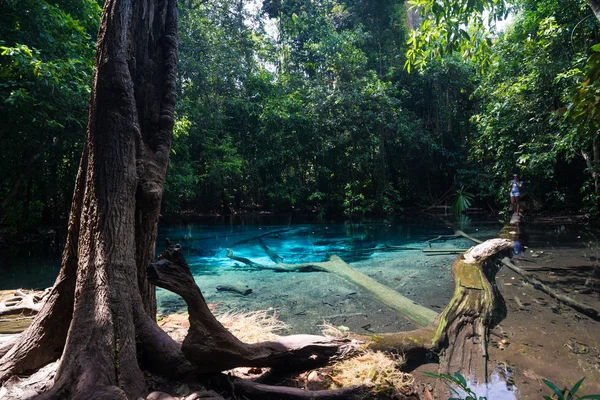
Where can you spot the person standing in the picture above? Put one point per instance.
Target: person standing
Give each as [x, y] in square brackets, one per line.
[515, 192]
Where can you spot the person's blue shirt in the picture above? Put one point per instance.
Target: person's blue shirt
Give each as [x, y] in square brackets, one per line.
[515, 187]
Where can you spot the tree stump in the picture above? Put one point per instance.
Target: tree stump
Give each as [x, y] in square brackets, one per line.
[461, 332]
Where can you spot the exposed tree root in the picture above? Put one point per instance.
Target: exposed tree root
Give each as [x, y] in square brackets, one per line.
[211, 347]
[582, 308]
[257, 391]
[24, 303]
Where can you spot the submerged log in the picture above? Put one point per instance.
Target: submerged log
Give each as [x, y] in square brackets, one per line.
[461, 332]
[458, 232]
[211, 347]
[239, 289]
[257, 237]
[444, 251]
[416, 313]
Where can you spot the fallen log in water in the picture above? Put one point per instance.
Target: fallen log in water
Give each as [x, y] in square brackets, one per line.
[239, 289]
[416, 313]
[444, 250]
[253, 238]
[458, 232]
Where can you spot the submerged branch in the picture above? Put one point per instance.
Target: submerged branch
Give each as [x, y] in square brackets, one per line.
[416, 313]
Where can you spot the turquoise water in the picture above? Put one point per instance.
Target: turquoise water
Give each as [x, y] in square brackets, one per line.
[296, 240]
[205, 240]
[304, 300]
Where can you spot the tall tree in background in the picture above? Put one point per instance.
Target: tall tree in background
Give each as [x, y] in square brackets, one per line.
[100, 314]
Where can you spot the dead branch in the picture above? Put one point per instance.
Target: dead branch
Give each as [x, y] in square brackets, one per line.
[258, 391]
[253, 238]
[582, 308]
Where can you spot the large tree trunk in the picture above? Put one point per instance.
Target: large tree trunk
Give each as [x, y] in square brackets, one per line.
[101, 303]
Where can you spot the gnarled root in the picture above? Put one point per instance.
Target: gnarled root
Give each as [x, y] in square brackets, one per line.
[257, 391]
[212, 348]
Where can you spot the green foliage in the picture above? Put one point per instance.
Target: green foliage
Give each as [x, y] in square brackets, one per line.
[462, 201]
[454, 26]
[460, 382]
[522, 95]
[306, 105]
[46, 62]
[584, 110]
[568, 394]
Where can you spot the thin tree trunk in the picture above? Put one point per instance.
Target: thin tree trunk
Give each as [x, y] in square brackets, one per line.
[595, 6]
[596, 170]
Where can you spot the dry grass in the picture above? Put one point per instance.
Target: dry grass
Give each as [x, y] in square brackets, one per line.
[379, 370]
[252, 326]
[332, 331]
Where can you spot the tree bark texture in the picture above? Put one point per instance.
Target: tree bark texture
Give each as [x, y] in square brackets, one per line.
[102, 307]
[595, 6]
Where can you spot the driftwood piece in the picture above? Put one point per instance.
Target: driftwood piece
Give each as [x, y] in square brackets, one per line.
[392, 247]
[582, 308]
[239, 289]
[441, 237]
[211, 347]
[24, 303]
[461, 331]
[458, 232]
[272, 255]
[444, 250]
[416, 313]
